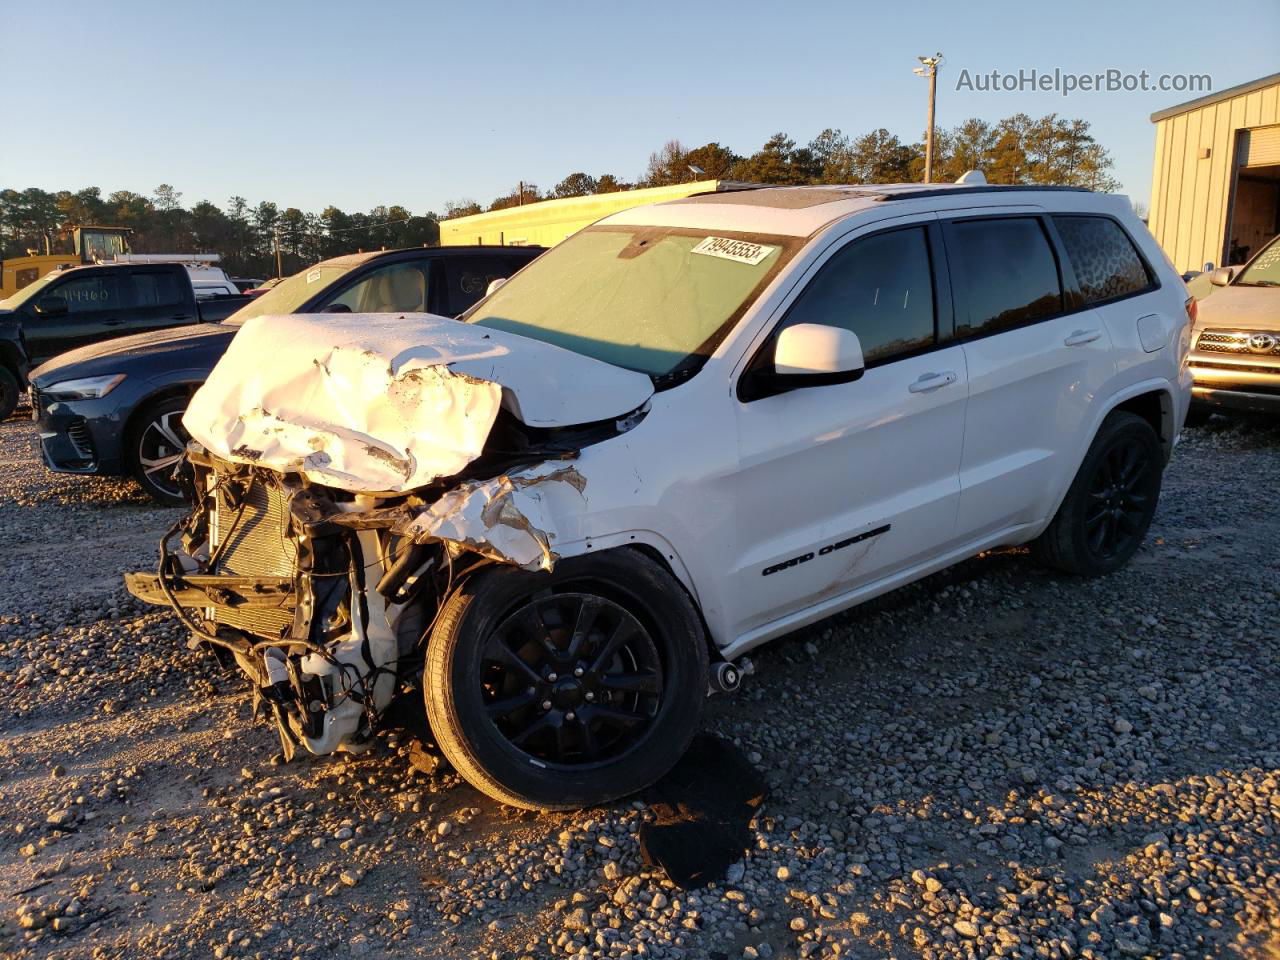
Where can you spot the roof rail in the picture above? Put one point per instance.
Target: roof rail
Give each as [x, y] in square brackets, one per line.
[957, 190]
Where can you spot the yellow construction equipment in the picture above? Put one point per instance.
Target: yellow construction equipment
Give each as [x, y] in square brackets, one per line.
[547, 222]
[89, 244]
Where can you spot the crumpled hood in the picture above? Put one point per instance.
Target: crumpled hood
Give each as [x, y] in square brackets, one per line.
[1240, 308]
[95, 358]
[388, 403]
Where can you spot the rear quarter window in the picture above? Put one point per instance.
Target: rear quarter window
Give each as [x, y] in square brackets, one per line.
[1106, 262]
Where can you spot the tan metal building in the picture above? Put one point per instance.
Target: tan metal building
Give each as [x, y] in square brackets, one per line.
[1215, 193]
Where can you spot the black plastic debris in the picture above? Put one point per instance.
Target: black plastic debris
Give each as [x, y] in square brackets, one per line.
[702, 810]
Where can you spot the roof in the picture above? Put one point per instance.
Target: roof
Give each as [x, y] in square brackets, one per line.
[800, 211]
[1218, 97]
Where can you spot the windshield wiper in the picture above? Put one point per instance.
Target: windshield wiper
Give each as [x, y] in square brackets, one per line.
[1258, 283]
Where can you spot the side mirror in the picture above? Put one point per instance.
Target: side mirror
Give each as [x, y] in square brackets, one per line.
[51, 305]
[806, 355]
[1222, 276]
[813, 354]
[494, 286]
[1208, 267]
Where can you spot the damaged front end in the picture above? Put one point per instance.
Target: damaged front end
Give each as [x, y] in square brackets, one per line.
[323, 597]
[324, 591]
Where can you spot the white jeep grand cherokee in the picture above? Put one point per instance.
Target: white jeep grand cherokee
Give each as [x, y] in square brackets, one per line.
[688, 429]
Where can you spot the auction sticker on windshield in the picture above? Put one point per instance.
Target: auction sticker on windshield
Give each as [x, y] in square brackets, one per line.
[738, 250]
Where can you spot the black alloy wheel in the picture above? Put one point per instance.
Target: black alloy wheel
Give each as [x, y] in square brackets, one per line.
[571, 678]
[157, 444]
[1120, 498]
[566, 689]
[1110, 504]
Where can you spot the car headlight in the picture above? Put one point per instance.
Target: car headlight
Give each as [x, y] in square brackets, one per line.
[86, 388]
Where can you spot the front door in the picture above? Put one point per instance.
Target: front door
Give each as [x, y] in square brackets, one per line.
[83, 308]
[839, 486]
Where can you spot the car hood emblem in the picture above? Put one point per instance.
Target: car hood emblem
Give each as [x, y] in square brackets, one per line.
[1262, 343]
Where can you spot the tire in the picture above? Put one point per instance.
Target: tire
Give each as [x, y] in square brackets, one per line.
[1108, 509]
[155, 442]
[9, 390]
[560, 734]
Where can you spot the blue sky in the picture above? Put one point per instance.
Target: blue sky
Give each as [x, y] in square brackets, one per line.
[418, 103]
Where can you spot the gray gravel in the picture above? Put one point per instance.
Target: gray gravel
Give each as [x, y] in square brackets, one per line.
[994, 762]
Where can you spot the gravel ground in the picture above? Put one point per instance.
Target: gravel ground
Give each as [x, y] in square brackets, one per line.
[994, 762]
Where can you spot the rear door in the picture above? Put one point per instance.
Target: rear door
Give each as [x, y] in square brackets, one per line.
[158, 298]
[1037, 360]
[85, 307]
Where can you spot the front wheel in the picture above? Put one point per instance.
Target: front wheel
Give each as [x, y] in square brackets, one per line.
[155, 445]
[9, 391]
[568, 689]
[1109, 507]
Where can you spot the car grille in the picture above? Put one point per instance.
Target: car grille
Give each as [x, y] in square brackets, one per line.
[81, 439]
[37, 403]
[256, 545]
[1235, 341]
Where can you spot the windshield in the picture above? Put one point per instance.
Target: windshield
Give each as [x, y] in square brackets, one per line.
[1264, 271]
[291, 293]
[29, 291]
[652, 299]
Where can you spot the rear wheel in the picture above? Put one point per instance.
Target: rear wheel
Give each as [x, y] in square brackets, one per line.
[156, 444]
[1109, 507]
[8, 393]
[569, 689]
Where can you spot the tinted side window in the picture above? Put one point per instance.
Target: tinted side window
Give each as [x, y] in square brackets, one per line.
[395, 288]
[1003, 273]
[881, 288]
[469, 277]
[156, 289]
[87, 294]
[1105, 261]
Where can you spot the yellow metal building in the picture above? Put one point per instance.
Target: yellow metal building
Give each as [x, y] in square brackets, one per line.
[1215, 193]
[547, 222]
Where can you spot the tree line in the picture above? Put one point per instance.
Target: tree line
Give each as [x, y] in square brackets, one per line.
[1016, 149]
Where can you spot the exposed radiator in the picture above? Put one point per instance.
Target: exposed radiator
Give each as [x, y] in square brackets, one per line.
[258, 543]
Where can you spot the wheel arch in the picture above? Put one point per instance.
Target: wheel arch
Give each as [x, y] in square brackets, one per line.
[1153, 401]
[159, 395]
[1155, 406]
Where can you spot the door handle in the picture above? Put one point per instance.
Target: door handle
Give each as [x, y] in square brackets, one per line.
[181, 316]
[1081, 337]
[932, 381]
[112, 323]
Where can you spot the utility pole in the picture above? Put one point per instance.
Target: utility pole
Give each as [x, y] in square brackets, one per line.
[929, 68]
[279, 267]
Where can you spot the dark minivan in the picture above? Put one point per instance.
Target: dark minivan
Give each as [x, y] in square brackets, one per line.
[116, 407]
